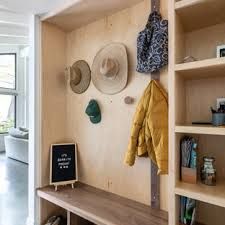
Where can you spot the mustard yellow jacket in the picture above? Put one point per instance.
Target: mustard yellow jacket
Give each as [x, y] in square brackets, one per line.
[149, 134]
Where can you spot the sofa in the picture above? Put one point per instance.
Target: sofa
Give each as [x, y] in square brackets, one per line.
[16, 145]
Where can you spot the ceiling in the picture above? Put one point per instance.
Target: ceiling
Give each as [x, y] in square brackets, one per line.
[32, 6]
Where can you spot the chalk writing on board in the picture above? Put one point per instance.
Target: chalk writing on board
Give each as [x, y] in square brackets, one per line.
[64, 161]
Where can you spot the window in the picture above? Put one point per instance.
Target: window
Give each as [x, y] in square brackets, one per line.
[7, 92]
[7, 112]
[8, 71]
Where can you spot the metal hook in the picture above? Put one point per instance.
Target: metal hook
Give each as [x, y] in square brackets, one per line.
[155, 5]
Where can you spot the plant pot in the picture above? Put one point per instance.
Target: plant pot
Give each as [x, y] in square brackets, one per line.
[218, 119]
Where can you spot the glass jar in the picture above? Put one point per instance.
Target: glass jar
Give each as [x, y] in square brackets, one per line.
[208, 171]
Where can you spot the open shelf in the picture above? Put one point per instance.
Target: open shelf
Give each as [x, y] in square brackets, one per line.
[214, 195]
[194, 97]
[216, 215]
[203, 129]
[197, 14]
[202, 69]
[83, 12]
[211, 199]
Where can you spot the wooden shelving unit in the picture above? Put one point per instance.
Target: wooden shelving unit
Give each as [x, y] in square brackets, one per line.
[196, 29]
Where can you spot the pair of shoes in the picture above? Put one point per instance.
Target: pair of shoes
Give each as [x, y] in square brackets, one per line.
[56, 220]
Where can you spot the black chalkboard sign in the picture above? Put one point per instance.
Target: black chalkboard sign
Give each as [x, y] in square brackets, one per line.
[63, 168]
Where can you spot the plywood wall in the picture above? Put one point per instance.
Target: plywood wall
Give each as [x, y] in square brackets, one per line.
[53, 92]
[195, 44]
[102, 147]
[53, 102]
[200, 110]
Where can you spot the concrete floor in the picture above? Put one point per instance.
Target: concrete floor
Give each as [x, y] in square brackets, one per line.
[13, 192]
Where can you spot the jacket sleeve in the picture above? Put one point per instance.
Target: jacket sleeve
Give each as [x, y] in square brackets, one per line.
[158, 124]
[137, 140]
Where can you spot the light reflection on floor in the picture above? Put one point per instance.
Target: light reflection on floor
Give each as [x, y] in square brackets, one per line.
[13, 191]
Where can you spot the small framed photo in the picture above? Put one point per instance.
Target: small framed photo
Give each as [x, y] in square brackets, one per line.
[63, 164]
[220, 51]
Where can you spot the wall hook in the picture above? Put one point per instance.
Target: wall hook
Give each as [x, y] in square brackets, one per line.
[128, 100]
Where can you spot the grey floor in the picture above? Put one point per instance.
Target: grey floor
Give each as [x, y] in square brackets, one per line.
[13, 191]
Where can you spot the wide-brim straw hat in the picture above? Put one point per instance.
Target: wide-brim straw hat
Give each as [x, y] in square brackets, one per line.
[110, 69]
[80, 76]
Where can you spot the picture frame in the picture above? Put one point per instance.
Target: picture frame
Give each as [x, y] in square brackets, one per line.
[63, 164]
[220, 51]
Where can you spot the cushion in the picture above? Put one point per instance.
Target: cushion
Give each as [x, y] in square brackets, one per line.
[14, 132]
[23, 129]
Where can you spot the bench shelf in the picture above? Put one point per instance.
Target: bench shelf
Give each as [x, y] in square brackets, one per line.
[102, 208]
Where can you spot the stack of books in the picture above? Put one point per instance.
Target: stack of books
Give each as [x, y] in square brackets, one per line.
[187, 211]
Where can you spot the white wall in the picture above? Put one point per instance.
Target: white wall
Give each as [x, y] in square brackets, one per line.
[24, 54]
[14, 28]
[8, 17]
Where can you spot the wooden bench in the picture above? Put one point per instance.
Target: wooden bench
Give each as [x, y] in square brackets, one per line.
[101, 207]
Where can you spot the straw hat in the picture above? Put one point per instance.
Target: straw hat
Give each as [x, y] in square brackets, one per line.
[110, 69]
[80, 76]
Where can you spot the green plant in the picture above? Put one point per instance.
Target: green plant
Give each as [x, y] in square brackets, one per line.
[6, 125]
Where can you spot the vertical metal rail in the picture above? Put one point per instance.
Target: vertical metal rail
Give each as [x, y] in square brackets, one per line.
[155, 179]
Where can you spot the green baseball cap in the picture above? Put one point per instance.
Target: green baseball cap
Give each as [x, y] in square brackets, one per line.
[93, 111]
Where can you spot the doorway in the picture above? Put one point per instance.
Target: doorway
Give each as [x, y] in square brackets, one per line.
[14, 119]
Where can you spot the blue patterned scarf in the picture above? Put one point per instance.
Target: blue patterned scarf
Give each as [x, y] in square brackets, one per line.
[152, 45]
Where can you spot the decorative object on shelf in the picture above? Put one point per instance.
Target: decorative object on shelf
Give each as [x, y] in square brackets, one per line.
[63, 164]
[149, 134]
[208, 171]
[188, 160]
[152, 45]
[128, 100]
[110, 69]
[218, 119]
[220, 103]
[94, 112]
[218, 116]
[220, 51]
[188, 59]
[187, 211]
[80, 76]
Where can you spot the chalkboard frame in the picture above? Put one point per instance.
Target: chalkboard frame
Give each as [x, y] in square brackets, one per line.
[76, 168]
